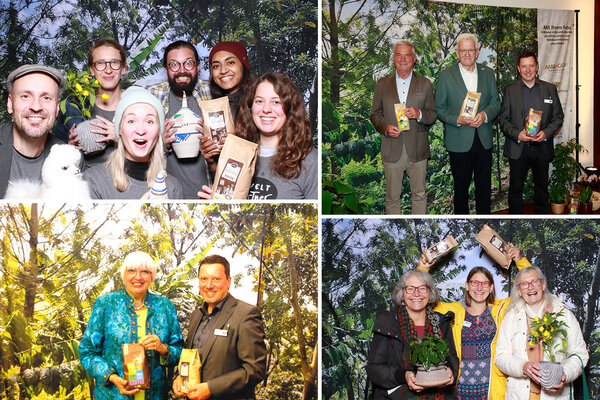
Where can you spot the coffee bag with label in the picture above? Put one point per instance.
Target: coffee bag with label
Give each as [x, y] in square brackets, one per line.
[441, 248]
[401, 118]
[470, 104]
[217, 117]
[235, 169]
[135, 367]
[494, 245]
[189, 369]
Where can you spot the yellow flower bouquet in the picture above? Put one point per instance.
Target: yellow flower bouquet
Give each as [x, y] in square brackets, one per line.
[81, 86]
[544, 330]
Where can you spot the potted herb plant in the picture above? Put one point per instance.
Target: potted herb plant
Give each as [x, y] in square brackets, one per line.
[585, 196]
[545, 331]
[564, 172]
[429, 354]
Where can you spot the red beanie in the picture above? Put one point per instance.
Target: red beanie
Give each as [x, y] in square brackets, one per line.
[235, 48]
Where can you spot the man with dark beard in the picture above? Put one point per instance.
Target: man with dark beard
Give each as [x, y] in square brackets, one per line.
[181, 63]
[33, 100]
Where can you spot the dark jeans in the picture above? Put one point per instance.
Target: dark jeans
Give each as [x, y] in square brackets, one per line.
[476, 162]
[532, 157]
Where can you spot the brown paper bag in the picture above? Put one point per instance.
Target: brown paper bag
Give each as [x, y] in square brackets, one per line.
[494, 245]
[533, 122]
[235, 169]
[189, 369]
[401, 118]
[217, 117]
[470, 104]
[135, 367]
[441, 248]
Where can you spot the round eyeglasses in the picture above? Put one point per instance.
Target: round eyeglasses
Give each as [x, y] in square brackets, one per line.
[189, 65]
[144, 273]
[484, 284]
[411, 289]
[114, 64]
[532, 283]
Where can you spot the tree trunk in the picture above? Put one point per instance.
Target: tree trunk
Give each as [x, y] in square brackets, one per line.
[590, 310]
[334, 42]
[32, 268]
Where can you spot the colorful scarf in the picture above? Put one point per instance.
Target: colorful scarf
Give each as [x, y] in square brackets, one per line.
[408, 332]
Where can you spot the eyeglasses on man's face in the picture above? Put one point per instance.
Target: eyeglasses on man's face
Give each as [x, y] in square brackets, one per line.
[483, 284]
[174, 66]
[532, 283]
[466, 51]
[411, 289]
[114, 64]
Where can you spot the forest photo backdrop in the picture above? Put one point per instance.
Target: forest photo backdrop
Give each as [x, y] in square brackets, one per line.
[56, 260]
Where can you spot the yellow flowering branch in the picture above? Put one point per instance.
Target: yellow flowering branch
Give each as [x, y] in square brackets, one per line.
[544, 330]
[82, 87]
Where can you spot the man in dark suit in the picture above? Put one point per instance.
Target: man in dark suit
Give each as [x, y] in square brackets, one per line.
[229, 336]
[525, 151]
[404, 150]
[468, 139]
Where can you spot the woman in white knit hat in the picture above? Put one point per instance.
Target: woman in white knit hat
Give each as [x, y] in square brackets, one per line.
[131, 170]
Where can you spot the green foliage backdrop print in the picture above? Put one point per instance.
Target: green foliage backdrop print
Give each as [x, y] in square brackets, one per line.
[357, 45]
[363, 259]
[56, 260]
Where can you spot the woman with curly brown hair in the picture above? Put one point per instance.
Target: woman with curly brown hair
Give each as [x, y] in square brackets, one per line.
[272, 113]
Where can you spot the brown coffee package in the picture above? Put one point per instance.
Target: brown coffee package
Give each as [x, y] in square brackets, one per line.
[494, 245]
[135, 367]
[441, 248]
[189, 369]
[534, 122]
[401, 117]
[235, 169]
[470, 104]
[217, 117]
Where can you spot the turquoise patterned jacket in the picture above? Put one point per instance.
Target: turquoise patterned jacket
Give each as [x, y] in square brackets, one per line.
[113, 323]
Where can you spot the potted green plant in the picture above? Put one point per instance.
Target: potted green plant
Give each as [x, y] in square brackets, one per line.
[585, 196]
[429, 354]
[549, 334]
[564, 172]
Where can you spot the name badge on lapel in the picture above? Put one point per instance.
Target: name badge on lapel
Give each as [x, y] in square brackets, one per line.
[221, 332]
[548, 101]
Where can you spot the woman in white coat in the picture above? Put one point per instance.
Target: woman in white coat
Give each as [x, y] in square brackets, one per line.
[517, 358]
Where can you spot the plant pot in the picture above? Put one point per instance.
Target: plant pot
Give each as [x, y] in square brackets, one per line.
[557, 208]
[552, 373]
[585, 208]
[595, 201]
[435, 377]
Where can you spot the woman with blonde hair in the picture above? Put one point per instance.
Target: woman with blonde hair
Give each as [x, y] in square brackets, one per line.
[132, 168]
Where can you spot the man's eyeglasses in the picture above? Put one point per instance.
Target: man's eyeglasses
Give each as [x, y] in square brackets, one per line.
[114, 64]
[411, 289]
[189, 65]
[532, 283]
[484, 284]
[470, 51]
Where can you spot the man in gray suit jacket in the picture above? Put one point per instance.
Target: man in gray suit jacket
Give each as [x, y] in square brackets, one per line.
[404, 150]
[468, 140]
[229, 335]
[525, 151]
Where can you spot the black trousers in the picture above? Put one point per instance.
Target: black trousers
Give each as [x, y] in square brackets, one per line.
[477, 163]
[532, 157]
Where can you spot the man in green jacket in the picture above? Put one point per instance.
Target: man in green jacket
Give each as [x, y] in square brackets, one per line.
[468, 139]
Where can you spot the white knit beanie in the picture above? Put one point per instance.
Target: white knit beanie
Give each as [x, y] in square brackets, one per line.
[133, 95]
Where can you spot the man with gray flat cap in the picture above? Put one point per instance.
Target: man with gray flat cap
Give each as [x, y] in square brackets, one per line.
[33, 100]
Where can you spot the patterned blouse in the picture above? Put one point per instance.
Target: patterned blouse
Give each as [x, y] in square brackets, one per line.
[477, 335]
[114, 322]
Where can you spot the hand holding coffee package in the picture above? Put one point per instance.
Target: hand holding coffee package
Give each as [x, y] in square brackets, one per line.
[494, 245]
[534, 122]
[217, 117]
[401, 118]
[441, 248]
[470, 104]
[135, 367]
[235, 169]
[189, 369]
